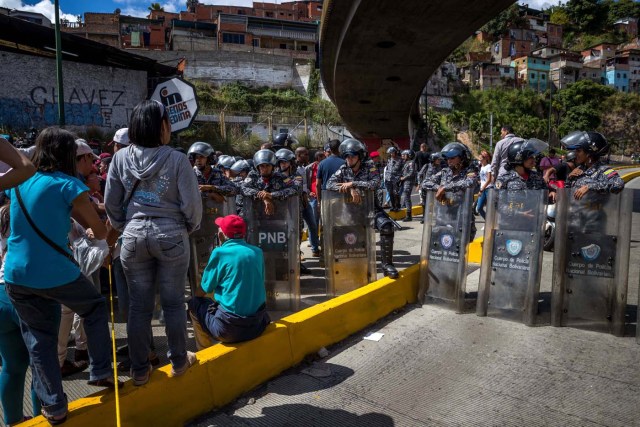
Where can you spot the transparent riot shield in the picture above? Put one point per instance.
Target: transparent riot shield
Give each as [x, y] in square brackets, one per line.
[443, 258]
[591, 262]
[349, 241]
[278, 235]
[204, 239]
[512, 255]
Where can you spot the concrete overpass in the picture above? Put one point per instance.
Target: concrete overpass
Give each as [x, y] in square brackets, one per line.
[377, 55]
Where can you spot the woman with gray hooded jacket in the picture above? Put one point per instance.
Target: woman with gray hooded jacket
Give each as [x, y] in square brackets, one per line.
[152, 197]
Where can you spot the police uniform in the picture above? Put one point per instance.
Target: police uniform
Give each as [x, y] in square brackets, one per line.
[458, 182]
[368, 178]
[237, 181]
[511, 180]
[599, 177]
[392, 181]
[408, 179]
[217, 179]
[281, 187]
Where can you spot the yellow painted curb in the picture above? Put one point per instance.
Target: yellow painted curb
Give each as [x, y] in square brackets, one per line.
[415, 210]
[225, 371]
[332, 321]
[475, 250]
[628, 177]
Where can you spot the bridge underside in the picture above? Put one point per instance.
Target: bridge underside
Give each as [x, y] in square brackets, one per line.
[377, 55]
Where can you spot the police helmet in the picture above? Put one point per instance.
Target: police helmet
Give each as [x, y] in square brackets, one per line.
[456, 149]
[520, 151]
[392, 150]
[251, 163]
[593, 143]
[283, 140]
[435, 157]
[241, 165]
[201, 149]
[570, 157]
[225, 161]
[263, 157]
[285, 155]
[409, 153]
[352, 147]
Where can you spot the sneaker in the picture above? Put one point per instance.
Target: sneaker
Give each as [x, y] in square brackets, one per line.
[105, 382]
[69, 368]
[191, 359]
[139, 380]
[315, 254]
[54, 420]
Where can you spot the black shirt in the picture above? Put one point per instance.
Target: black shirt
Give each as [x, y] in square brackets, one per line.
[422, 158]
[562, 171]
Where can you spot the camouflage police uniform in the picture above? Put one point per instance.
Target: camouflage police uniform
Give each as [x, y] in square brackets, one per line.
[513, 181]
[392, 181]
[368, 178]
[217, 178]
[237, 181]
[454, 182]
[408, 179]
[281, 187]
[601, 180]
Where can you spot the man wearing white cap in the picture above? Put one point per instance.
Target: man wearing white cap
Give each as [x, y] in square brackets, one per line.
[85, 158]
[120, 139]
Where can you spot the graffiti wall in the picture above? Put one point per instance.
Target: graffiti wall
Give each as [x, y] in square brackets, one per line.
[93, 95]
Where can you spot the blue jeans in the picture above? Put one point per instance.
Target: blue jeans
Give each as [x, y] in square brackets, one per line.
[482, 199]
[309, 217]
[228, 327]
[39, 312]
[313, 202]
[15, 361]
[155, 252]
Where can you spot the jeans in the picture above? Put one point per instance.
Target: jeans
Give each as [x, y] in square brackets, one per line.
[39, 311]
[15, 361]
[313, 203]
[482, 199]
[155, 252]
[228, 327]
[310, 218]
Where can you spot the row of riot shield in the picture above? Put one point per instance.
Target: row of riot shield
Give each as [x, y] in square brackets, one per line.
[590, 266]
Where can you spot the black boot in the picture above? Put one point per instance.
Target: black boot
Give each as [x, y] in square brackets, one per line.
[386, 255]
[408, 217]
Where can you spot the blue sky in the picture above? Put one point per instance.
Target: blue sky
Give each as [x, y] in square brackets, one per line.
[71, 8]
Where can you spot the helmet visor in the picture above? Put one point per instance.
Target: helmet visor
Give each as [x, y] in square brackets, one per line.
[534, 146]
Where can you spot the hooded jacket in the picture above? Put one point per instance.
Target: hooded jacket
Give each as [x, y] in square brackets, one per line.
[168, 187]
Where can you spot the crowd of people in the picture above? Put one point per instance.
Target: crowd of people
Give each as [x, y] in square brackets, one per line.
[145, 199]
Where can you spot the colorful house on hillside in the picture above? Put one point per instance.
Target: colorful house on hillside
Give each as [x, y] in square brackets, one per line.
[617, 73]
[532, 72]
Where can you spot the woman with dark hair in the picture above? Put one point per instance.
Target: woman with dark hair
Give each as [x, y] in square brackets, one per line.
[152, 197]
[40, 273]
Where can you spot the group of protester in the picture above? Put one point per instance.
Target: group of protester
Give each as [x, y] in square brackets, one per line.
[144, 201]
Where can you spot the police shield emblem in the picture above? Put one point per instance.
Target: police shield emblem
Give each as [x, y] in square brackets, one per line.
[350, 239]
[514, 247]
[591, 252]
[446, 240]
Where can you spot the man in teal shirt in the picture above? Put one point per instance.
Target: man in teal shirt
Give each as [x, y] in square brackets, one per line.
[235, 275]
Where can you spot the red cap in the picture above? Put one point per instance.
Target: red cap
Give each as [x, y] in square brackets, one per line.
[374, 154]
[232, 226]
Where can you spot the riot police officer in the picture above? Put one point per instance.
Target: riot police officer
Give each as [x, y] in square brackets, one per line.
[265, 183]
[521, 159]
[591, 174]
[408, 180]
[359, 174]
[458, 176]
[435, 165]
[392, 174]
[224, 164]
[211, 182]
[239, 171]
[283, 140]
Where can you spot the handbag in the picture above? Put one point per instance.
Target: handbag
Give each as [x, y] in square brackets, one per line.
[41, 234]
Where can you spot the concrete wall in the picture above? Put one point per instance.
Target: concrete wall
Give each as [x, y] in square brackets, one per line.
[250, 68]
[94, 95]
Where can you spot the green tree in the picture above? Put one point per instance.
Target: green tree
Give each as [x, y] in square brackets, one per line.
[587, 15]
[579, 107]
[621, 121]
[622, 9]
[156, 7]
[560, 16]
[510, 17]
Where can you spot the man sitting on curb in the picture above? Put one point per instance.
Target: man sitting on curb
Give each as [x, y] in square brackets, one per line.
[235, 274]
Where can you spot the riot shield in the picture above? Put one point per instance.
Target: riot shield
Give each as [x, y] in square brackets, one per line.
[591, 262]
[349, 241]
[278, 235]
[203, 240]
[512, 255]
[443, 258]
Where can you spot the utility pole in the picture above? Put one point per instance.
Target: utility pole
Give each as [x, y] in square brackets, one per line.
[490, 132]
[61, 121]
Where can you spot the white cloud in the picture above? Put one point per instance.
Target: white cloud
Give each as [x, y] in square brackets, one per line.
[539, 4]
[44, 7]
